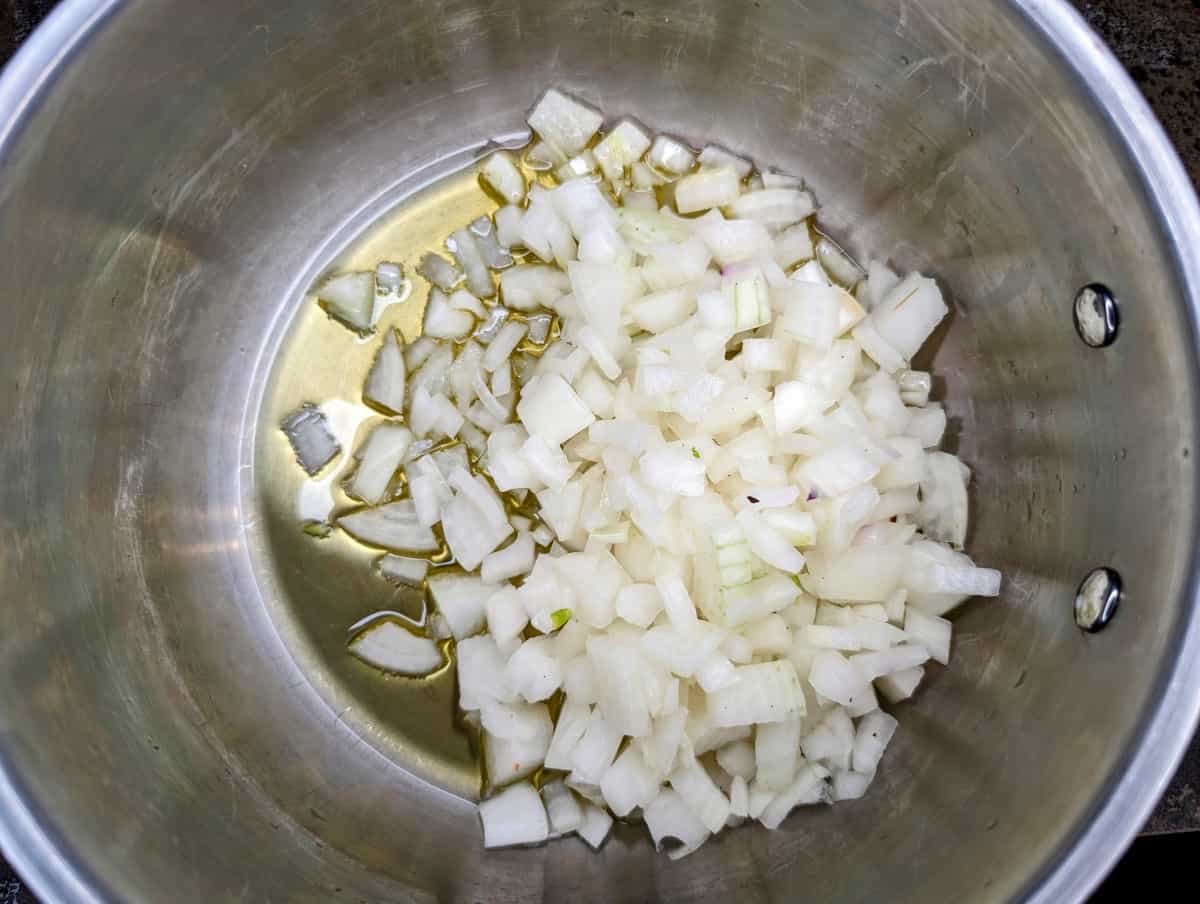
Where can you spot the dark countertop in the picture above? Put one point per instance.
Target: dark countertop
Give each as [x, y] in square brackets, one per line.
[1158, 41]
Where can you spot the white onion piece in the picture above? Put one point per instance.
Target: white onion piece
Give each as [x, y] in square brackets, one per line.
[628, 783]
[439, 271]
[404, 569]
[638, 604]
[350, 297]
[776, 746]
[880, 663]
[808, 787]
[700, 794]
[834, 677]
[461, 599]
[718, 157]
[388, 646]
[468, 532]
[930, 632]
[943, 511]
[874, 733]
[768, 544]
[488, 242]
[733, 241]
[564, 122]
[593, 753]
[429, 494]
[850, 785]
[927, 425]
[512, 561]
[705, 189]
[386, 381]
[644, 179]
[481, 675]
[676, 601]
[797, 405]
[757, 800]
[739, 798]
[717, 672]
[501, 173]
[837, 264]
[533, 670]
[520, 750]
[620, 148]
[771, 635]
[506, 616]
[595, 826]
[379, 458]
[573, 722]
[831, 741]
[514, 816]
[562, 808]
[668, 816]
[670, 156]
[628, 685]
[765, 692]
[552, 410]
[773, 207]
[738, 759]
[508, 226]
[443, 320]
[792, 246]
[754, 600]
[878, 348]
[392, 526]
[542, 156]
[389, 280]
[433, 373]
[470, 259]
[857, 575]
[906, 316]
[683, 649]
[900, 685]
[765, 354]
[809, 312]
[311, 439]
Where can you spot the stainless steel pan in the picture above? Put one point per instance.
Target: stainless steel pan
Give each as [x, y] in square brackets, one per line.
[171, 173]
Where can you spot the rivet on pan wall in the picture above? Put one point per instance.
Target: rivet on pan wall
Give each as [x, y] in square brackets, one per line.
[1097, 599]
[1096, 315]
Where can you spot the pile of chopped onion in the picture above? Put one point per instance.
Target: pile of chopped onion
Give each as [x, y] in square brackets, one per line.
[708, 525]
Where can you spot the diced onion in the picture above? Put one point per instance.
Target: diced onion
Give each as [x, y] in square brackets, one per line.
[379, 458]
[391, 526]
[308, 432]
[514, 816]
[687, 482]
[390, 647]
[350, 297]
[501, 173]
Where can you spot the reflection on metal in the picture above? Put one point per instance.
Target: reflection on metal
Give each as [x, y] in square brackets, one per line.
[1097, 599]
[1096, 315]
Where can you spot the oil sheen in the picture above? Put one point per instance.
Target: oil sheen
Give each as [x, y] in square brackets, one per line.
[330, 583]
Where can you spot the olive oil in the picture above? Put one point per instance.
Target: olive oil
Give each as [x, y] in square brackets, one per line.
[330, 583]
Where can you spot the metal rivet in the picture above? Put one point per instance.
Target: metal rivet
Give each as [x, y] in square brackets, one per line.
[1096, 315]
[1097, 599]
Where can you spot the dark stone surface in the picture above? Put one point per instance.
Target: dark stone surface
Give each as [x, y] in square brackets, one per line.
[1158, 41]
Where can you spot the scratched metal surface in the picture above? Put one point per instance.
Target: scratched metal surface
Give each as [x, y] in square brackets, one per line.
[1157, 41]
